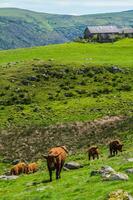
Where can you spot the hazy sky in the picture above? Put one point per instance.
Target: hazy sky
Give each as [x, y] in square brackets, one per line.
[76, 7]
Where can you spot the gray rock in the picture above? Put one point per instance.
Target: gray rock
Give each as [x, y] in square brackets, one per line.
[73, 165]
[129, 170]
[130, 159]
[115, 176]
[109, 174]
[130, 197]
[103, 171]
[107, 170]
[4, 177]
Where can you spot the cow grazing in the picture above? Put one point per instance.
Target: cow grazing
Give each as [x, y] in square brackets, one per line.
[32, 168]
[114, 147]
[18, 168]
[55, 160]
[93, 152]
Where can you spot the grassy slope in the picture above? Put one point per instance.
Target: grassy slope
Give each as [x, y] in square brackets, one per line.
[119, 53]
[83, 97]
[74, 185]
[38, 29]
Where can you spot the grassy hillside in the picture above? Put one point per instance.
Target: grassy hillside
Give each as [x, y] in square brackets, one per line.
[76, 53]
[22, 28]
[63, 83]
[56, 84]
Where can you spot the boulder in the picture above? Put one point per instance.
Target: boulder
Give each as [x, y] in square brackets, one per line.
[115, 176]
[119, 195]
[130, 159]
[4, 177]
[109, 174]
[73, 165]
[104, 170]
[107, 170]
[130, 171]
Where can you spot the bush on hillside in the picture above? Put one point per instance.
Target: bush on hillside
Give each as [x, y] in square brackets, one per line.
[125, 87]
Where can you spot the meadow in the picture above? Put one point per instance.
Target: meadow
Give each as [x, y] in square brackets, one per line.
[75, 184]
[67, 82]
[118, 53]
[71, 82]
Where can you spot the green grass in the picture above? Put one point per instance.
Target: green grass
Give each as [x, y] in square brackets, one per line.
[77, 85]
[71, 87]
[119, 53]
[76, 184]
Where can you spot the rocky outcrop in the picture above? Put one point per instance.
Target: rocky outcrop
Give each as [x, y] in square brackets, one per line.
[130, 159]
[109, 174]
[130, 171]
[115, 176]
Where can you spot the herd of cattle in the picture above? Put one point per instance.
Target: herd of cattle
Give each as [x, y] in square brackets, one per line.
[57, 156]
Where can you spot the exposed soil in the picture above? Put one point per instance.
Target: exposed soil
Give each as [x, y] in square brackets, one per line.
[31, 142]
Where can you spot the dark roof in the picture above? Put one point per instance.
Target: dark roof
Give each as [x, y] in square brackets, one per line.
[127, 30]
[103, 29]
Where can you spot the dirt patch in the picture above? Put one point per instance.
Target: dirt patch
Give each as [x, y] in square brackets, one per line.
[31, 142]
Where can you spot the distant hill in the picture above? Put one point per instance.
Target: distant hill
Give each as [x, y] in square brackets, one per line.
[23, 28]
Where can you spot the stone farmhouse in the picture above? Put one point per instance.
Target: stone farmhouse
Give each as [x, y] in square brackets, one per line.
[106, 33]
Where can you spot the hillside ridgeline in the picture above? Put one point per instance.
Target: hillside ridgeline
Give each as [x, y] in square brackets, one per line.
[23, 28]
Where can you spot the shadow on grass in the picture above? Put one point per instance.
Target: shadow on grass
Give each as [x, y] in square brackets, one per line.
[45, 181]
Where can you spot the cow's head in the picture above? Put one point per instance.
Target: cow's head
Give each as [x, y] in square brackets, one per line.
[119, 146]
[51, 160]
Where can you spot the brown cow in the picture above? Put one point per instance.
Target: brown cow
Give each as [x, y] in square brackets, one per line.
[114, 147]
[55, 160]
[18, 168]
[32, 168]
[93, 152]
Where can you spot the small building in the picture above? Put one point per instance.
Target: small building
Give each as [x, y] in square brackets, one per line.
[127, 32]
[101, 33]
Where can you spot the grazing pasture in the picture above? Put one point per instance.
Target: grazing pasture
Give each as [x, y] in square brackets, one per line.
[66, 83]
[74, 184]
[118, 53]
